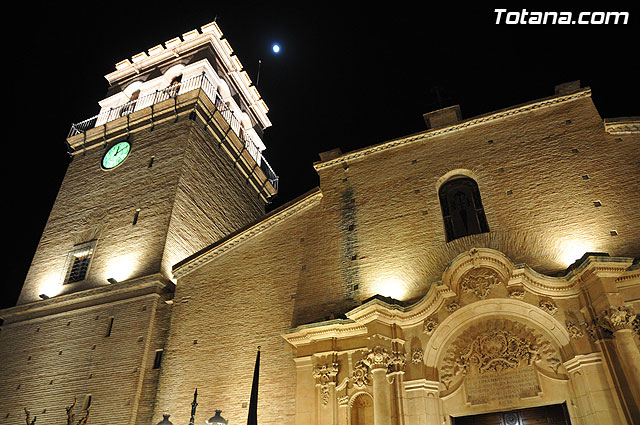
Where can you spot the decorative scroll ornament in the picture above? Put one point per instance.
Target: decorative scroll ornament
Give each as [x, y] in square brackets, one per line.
[452, 306]
[361, 376]
[516, 293]
[325, 374]
[574, 329]
[497, 350]
[430, 325]
[417, 356]
[494, 346]
[548, 306]
[480, 281]
[378, 358]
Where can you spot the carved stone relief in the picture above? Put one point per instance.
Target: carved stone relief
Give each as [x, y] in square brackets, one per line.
[397, 362]
[516, 293]
[548, 306]
[378, 358]
[325, 374]
[480, 281]
[430, 325]
[452, 306]
[417, 356]
[609, 321]
[361, 376]
[494, 346]
[618, 318]
[574, 329]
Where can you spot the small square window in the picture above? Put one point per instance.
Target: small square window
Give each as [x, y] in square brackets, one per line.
[78, 262]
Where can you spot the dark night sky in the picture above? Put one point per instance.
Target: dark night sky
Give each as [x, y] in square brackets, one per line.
[346, 77]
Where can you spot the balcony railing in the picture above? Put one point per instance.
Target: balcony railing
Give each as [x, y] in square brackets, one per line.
[195, 83]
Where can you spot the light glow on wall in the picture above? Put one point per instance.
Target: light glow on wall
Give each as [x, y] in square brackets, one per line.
[573, 249]
[51, 285]
[390, 286]
[120, 268]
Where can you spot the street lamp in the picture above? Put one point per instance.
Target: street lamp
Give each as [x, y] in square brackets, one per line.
[216, 419]
[166, 420]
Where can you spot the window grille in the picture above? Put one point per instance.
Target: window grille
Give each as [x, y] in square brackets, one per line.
[78, 262]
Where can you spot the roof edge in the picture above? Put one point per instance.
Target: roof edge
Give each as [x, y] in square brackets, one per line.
[207, 254]
[470, 122]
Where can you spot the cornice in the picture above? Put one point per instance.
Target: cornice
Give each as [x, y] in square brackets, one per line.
[622, 125]
[234, 240]
[155, 284]
[472, 122]
[520, 275]
[307, 334]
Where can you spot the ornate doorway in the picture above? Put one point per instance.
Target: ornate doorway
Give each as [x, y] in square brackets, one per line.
[555, 414]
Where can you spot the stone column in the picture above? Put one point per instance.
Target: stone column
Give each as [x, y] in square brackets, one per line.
[378, 361]
[423, 397]
[592, 393]
[619, 320]
[396, 374]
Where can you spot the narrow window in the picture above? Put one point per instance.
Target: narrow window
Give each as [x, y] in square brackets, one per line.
[151, 161]
[158, 359]
[78, 261]
[135, 217]
[109, 327]
[462, 209]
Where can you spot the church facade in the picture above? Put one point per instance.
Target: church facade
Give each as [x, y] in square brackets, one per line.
[481, 271]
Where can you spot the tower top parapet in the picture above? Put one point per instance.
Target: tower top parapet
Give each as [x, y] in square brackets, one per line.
[180, 49]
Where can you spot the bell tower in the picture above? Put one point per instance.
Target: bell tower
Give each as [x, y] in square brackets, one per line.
[172, 163]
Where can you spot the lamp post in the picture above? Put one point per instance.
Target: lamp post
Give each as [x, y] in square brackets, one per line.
[217, 419]
[194, 404]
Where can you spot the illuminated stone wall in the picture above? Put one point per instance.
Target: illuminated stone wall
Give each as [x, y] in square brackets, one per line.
[55, 354]
[375, 227]
[189, 197]
[539, 172]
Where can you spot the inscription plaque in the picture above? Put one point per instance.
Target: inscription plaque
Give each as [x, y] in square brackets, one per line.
[503, 388]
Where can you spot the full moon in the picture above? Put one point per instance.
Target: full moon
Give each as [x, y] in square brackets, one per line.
[276, 48]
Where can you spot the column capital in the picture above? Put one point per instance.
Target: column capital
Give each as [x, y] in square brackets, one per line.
[378, 358]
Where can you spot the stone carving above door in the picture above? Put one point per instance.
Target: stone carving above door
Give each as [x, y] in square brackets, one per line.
[494, 346]
[480, 281]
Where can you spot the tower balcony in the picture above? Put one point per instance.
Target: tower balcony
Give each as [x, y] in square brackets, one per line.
[196, 98]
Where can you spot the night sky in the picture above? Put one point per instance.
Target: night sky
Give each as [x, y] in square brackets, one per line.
[346, 77]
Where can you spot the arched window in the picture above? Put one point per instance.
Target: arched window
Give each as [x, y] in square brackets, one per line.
[462, 208]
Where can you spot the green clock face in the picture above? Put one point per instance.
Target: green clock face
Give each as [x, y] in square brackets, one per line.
[115, 155]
